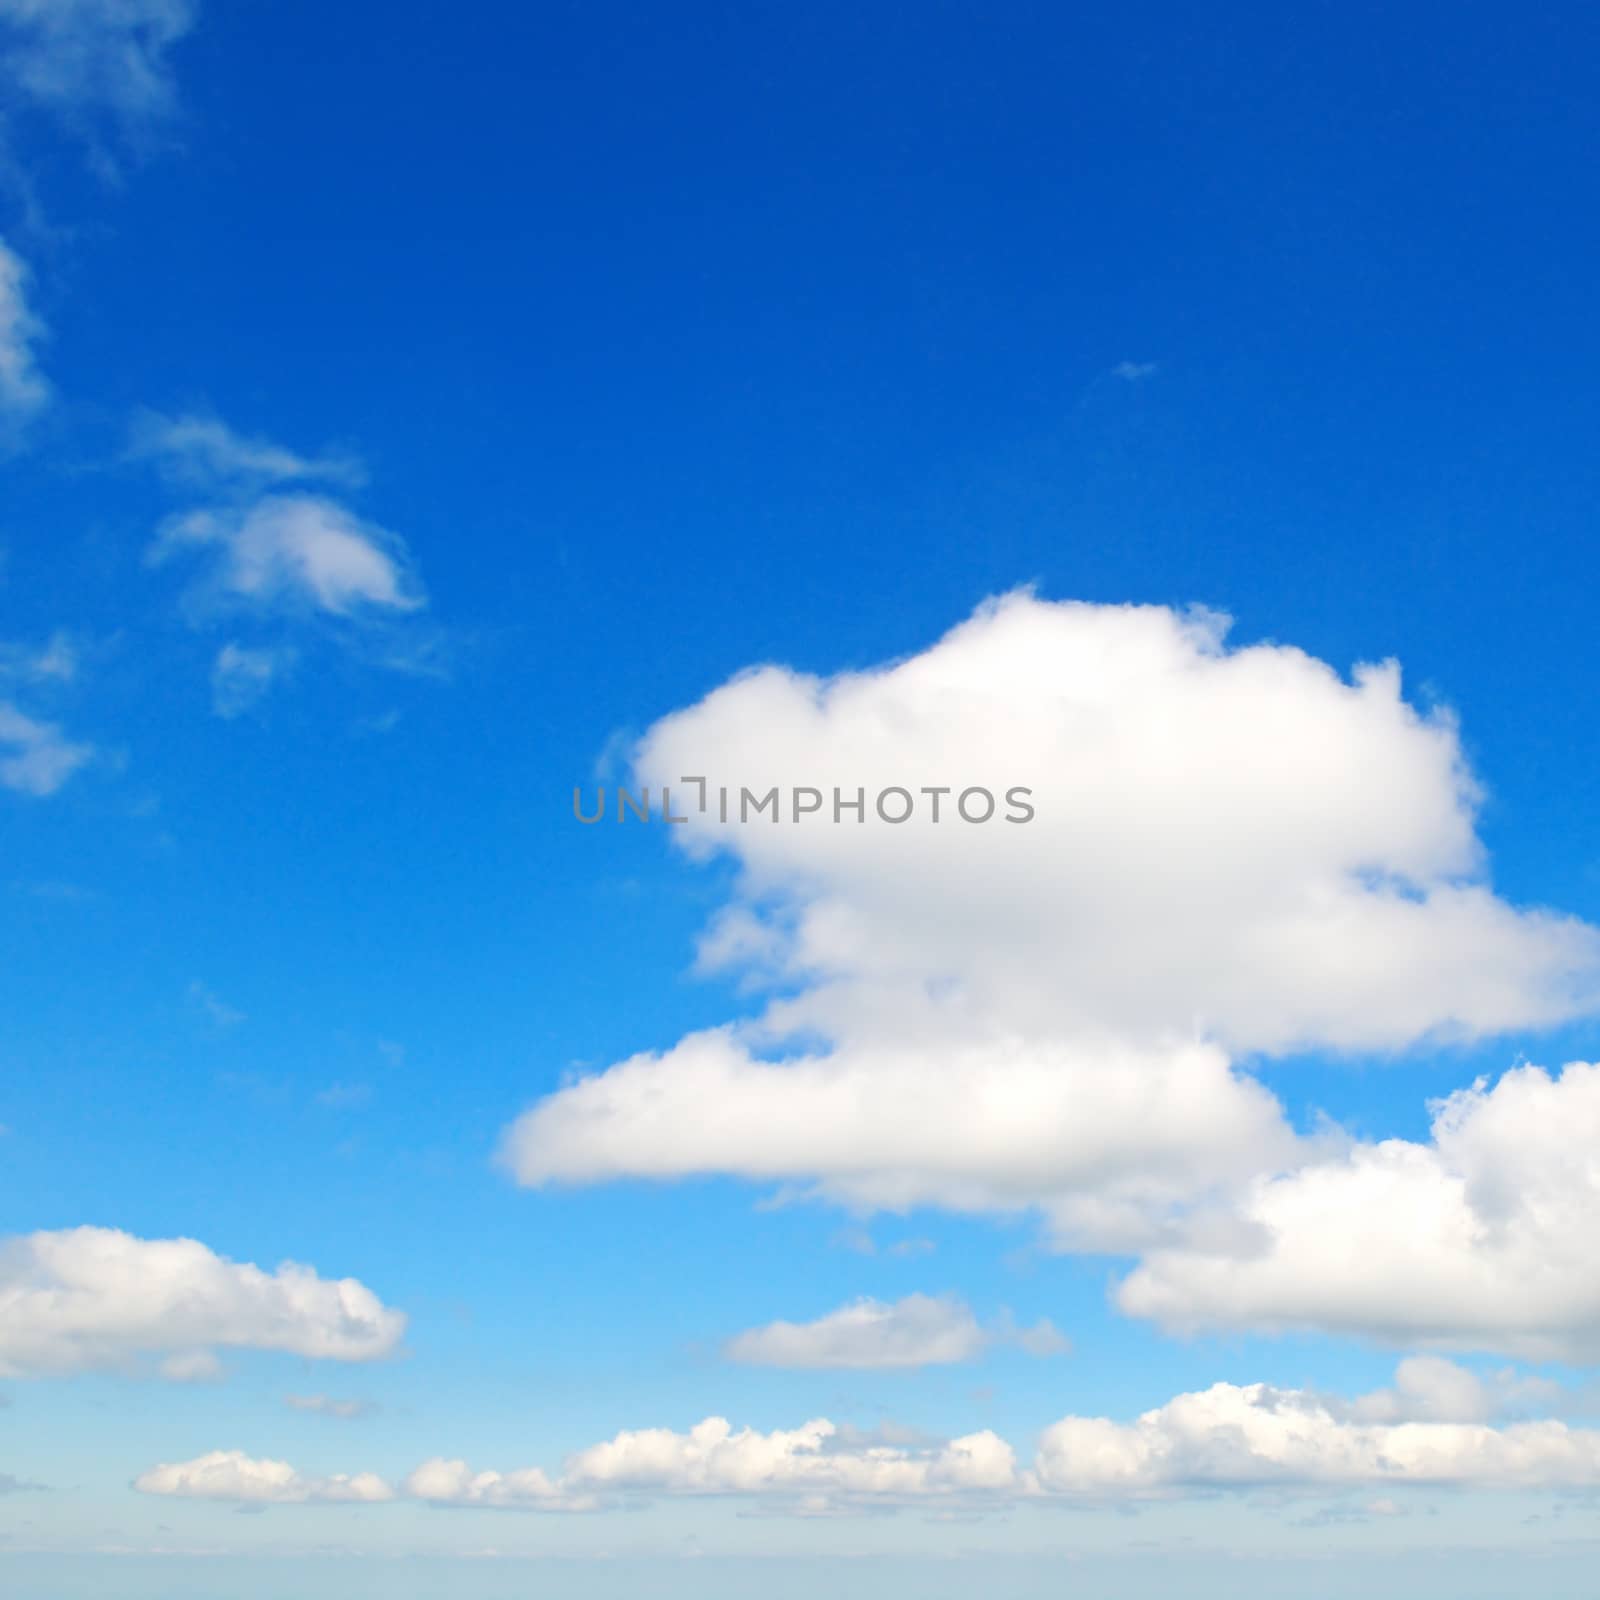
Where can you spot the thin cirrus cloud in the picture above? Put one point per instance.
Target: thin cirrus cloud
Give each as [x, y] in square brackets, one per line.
[23, 389]
[199, 449]
[323, 1405]
[95, 1299]
[36, 757]
[917, 1331]
[1234, 850]
[1431, 1430]
[81, 59]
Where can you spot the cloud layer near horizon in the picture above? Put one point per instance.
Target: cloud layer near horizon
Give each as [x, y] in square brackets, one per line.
[1432, 1429]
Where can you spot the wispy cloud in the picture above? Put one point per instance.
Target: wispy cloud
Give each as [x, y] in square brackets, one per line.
[241, 676]
[291, 554]
[273, 549]
[323, 1405]
[198, 448]
[213, 1007]
[86, 60]
[23, 389]
[36, 757]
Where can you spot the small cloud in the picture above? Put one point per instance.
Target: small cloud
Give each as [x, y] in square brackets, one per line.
[291, 553]
[918, 1331]
[241, 677]
[36, 758]
[345, 1096]
[322, 1405]
[205, 450]
[214, 1006]
[1135, 371]
[11, 1485]
[856, 1239]
[23, 390]
[192, 1366]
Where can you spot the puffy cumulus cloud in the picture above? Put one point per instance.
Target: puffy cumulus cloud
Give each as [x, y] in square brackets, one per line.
[1243, 1437]
[714, 1458]
[89, 1298]
[1232, 851]
[454, 1483]
[1237, 842]
[293, 552]
[23, 389]
[918, 1331]
[1431, 1429]
[36, 757]
[1106, 1139]
[232, 1475]
[1494, 1252]
[82, 58]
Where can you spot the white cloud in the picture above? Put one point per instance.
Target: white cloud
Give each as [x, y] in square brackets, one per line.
[23, 389]
[295, 553]
[241, 677]
[79, 57]
[1426, 1432]
[1103, 1140]
[272, 552]
[191, 1366]
[1242, 1437]
[1494, 1252]
[323, 1405]
[196, 448]
[92, 1298]
[714, 1458]
[1233, 851]
[920, 1330]
[36, 757]
[232, 1475]
[454, 1483]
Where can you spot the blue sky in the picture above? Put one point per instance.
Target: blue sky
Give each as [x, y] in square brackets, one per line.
[401, 414]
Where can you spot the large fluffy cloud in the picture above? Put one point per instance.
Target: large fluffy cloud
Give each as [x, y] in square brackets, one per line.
[918, 1331]
[1430, 1430]
[1107, 1139]
[86, 1298]
[1480, 1238]
[1231, 851]
[1233, 1436]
